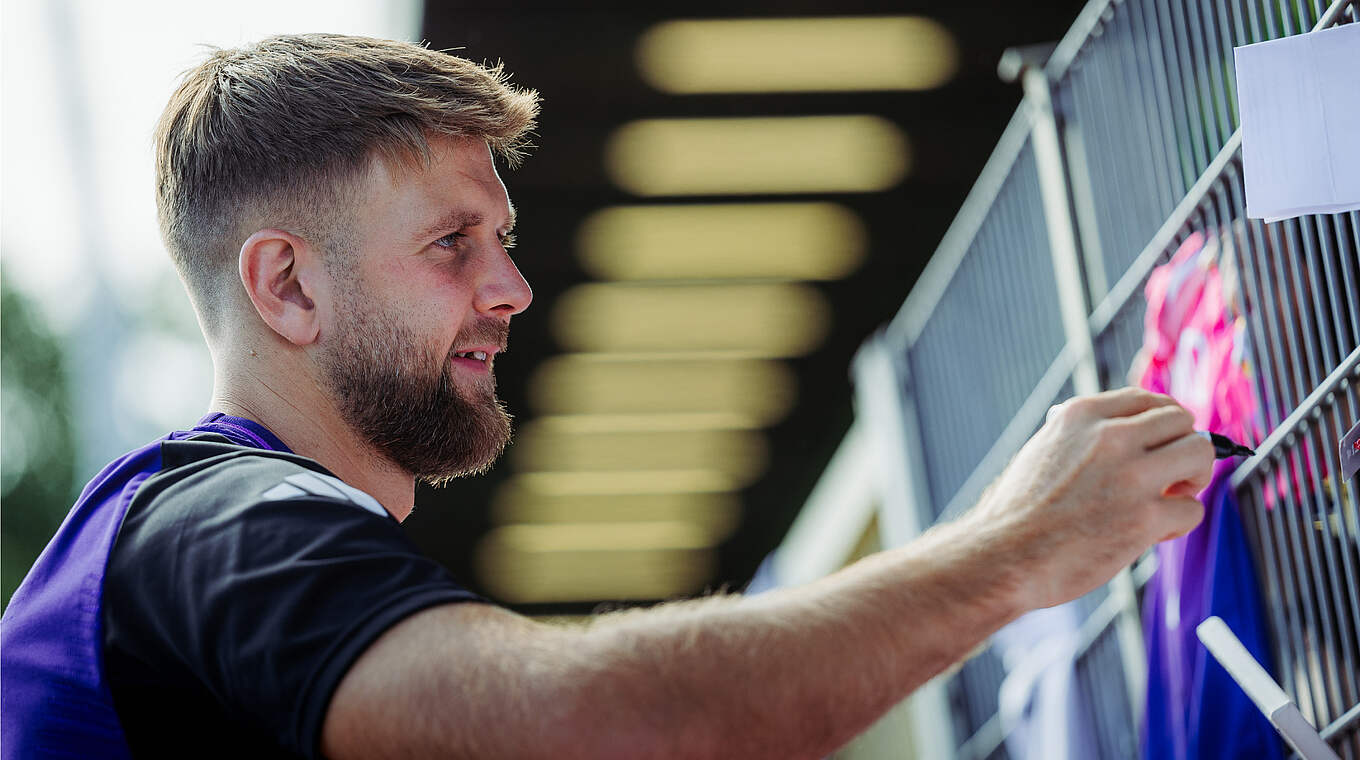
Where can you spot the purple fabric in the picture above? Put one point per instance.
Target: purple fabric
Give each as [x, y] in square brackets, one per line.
[56, 702]
[1194, 709]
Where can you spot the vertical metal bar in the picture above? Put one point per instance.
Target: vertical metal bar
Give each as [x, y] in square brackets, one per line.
[1133, 192]
[1161, 88]
[1277, 601]
[1024, 237]
[1310, 512]
[1061, 233]
[1032, 239]
[1088, 120]
[1211, 95]
[1349, 250]
[1185, 143]
[1257, 34]
[1011, 239]
[1072, 300]
[1189, 91]
[1347, 589]
[1225, 46]
[882, 385]
[1238, 24]
[1121, 203]
[1292, 516]
[1315, 248]
[1159, 129]
[1259, 319]
[1286, 19]
[1254, 259]
[1302, 383]
[1293, 596]
[1308, 336]
[1329, 250]
[1301, 16]
[1272, 29]
[1079, 167]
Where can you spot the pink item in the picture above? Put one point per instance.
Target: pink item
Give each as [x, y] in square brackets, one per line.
[1194, 343]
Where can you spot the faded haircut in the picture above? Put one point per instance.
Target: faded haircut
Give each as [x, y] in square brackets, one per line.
[279, 134]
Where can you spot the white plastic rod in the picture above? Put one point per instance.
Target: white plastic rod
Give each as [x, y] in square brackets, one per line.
[1224, 645]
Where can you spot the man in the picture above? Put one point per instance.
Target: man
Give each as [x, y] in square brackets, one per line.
[242, 588]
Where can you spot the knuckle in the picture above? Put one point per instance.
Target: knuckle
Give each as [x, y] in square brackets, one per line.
[1077, 405]
[1066, 410]
[1110, 440]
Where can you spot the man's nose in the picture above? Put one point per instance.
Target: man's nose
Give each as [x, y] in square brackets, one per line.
[503, 292]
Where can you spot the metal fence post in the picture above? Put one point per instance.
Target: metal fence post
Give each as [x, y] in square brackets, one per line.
[1074, 302]
[890, 418]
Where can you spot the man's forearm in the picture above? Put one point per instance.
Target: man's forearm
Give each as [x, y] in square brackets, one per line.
[794, 672]
[791, 673]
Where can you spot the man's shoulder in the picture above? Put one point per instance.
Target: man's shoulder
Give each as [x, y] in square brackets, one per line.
[211, 475]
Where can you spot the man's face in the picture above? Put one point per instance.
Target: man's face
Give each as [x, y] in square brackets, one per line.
[422, 311]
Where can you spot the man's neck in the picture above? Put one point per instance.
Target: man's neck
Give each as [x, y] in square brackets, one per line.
[311, 426]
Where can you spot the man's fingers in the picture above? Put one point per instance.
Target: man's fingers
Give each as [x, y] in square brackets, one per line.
[1124, 402]
[1159, 425]
[1188, 459]
[1178, 516]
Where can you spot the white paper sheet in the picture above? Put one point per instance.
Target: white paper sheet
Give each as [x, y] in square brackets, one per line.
[1299, 102]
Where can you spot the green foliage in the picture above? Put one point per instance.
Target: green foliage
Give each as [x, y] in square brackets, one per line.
[38, 452]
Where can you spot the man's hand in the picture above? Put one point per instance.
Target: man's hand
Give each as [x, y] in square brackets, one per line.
[1107, 476]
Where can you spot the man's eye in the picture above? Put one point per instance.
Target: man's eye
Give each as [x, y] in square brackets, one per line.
[508, 240]
[450, 240]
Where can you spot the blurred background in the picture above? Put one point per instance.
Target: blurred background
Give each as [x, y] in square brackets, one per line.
[725, 200]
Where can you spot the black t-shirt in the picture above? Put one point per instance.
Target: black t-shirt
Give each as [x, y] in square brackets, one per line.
[242, 586]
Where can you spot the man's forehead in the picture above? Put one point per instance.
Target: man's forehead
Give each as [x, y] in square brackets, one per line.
[458, 186]
[463, 159]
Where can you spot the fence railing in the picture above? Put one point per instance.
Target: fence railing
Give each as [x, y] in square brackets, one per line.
[1126, 144]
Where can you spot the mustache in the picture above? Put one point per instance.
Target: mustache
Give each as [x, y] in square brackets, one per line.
[484, 331]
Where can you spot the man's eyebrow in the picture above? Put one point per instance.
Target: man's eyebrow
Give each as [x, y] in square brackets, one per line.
[452, 220]
[460, 218]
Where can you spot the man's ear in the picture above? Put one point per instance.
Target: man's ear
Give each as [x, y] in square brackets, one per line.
[280, 272]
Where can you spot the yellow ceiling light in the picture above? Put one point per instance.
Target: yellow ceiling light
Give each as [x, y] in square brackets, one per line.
[514, 567]
[602, 537]
[797, 55]
[739, 454]
[715, 513]
[628, 482]
[769, 319]
[791, 241]
[736, 156]
[635, 423]
[761, 391]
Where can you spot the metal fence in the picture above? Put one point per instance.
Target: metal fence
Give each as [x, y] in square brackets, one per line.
[1127, 143]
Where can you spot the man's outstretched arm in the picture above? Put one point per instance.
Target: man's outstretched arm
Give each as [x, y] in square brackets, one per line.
[795, 672]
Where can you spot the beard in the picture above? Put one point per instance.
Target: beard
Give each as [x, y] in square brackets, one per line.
[403, 401]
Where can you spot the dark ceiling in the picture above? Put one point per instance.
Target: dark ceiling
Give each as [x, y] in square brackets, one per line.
[580, 58]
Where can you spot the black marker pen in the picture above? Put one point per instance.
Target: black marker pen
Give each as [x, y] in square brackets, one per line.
[1225, 447]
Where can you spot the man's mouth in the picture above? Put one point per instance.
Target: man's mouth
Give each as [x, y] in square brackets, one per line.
[476, 358]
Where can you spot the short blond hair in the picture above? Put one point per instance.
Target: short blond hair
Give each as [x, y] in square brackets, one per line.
[278, 133]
